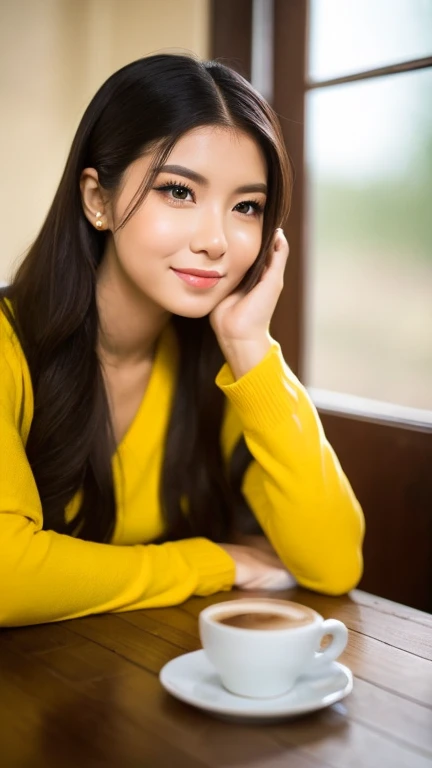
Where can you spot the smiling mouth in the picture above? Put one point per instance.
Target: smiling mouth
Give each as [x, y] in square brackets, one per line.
[198, 278]
[199, 272]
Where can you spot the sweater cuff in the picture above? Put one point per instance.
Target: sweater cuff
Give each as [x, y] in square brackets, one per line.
[215, 568]
[266, 395]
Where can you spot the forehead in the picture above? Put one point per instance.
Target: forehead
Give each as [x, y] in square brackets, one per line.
[221, 152]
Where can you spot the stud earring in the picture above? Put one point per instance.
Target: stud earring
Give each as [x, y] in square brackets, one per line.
[99, 223]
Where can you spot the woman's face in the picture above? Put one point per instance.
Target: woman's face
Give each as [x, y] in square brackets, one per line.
[204, 212]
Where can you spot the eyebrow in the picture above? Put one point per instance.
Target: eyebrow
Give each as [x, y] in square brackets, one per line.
[194, 176]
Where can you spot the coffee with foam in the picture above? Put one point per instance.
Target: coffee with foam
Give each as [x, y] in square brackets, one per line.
[286, 616]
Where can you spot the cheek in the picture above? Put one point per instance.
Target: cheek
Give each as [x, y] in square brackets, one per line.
[161, 227]
[246, 246]
[150, 231]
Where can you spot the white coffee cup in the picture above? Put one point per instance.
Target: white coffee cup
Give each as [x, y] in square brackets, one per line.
[260, 662]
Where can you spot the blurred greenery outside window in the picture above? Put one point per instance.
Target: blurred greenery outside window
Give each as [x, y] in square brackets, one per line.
[369, 198]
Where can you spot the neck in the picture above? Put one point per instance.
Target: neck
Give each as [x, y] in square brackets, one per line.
[129, 322]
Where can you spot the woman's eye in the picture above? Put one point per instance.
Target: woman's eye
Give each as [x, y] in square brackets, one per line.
[176, 192]
[180, 193]
[249, 207]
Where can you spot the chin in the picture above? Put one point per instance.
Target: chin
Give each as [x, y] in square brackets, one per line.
[190, 312]
[194, 308]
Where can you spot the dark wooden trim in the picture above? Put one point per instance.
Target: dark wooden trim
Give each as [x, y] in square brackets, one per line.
[289, 97]
[391, 69]
[390, 471]
[231, 34]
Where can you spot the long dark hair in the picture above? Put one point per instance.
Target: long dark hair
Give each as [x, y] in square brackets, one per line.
[151, 102]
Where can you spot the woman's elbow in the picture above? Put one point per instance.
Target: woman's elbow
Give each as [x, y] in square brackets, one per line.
[336, 581]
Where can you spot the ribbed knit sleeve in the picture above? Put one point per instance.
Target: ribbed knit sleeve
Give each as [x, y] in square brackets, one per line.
[295, 485]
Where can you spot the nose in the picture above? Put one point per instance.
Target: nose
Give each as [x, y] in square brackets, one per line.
[209, 235]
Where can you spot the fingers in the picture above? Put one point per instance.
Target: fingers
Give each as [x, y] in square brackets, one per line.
[267, 571]
[257, 569]
[277, 257]
[255, 541]
[274, 579]
[280, 243]
[261, 550]
[268, 557]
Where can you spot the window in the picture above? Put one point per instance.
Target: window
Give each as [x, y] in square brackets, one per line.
[369, 190]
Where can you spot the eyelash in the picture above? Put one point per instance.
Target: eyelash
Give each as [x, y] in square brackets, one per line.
[256, 205]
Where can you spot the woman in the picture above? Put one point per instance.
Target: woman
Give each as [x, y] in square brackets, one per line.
[147, 418]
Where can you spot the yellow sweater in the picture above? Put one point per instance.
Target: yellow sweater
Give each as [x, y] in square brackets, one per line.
[294, 485]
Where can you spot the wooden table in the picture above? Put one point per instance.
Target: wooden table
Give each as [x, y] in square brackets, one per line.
[86, 693]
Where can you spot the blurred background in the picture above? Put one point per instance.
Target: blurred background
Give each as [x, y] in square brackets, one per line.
[55, 54]
[351, 81]
[369, 158]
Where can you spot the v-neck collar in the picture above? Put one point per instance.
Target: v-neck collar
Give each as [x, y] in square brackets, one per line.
[159, 364]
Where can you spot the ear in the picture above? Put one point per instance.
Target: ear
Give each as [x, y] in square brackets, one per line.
[95, 207]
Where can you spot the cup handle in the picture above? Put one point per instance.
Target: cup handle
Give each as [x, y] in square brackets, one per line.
[339, 634]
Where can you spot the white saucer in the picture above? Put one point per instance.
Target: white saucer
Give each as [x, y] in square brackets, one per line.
[191, 678]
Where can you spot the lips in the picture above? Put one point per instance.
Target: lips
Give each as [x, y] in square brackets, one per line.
[199, 272]
[204, 279]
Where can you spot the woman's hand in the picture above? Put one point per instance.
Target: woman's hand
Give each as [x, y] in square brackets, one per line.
[245, 317]
[258, 568]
